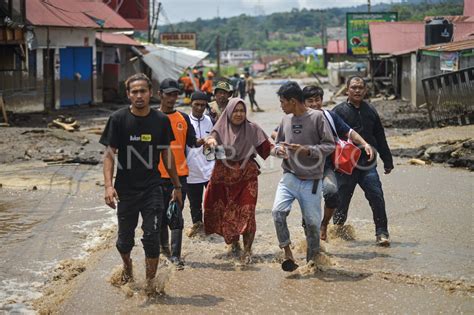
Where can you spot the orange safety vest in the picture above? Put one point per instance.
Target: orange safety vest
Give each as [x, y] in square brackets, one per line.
[207, 86]
[178, 146]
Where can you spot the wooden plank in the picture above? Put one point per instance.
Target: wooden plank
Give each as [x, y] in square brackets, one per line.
[4, 110]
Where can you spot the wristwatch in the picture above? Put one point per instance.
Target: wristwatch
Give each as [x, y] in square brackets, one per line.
[177, 187]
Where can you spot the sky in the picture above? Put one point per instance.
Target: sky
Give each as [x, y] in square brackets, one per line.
[189, 10]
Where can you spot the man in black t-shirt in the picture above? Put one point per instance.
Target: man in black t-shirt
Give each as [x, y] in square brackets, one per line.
[139, 135]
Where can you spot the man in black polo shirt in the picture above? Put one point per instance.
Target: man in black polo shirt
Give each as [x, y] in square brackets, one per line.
[363, 118]
[139, 135]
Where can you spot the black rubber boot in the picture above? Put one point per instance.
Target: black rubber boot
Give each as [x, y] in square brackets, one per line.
[176, 241]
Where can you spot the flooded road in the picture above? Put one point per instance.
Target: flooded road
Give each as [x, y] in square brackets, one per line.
[47, 214]
[428, 268]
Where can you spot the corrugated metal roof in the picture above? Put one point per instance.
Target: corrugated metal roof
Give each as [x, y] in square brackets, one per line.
[73, 13]
[450, 47]
[390, 37]
[116, 39]
[337, 47]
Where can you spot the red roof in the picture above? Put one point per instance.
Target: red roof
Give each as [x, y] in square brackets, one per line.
[463, 30]
[390, 37]
[116, 39]
[73, 13]
[337, 47]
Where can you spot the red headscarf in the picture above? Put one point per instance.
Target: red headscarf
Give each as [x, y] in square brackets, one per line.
[241, 140]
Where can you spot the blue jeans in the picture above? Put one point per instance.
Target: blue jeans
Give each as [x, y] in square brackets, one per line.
[290, 188]
[330, 194]
[370, 183]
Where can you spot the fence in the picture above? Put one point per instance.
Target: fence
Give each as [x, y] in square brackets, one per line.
[450, 97]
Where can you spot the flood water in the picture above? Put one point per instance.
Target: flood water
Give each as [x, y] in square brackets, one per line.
[428, 268]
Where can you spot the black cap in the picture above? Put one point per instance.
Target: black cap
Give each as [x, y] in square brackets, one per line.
[198, 95]
[169, 85]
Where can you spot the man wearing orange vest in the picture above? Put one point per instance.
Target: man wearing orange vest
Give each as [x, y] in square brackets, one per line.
[208, 85]
[184, 134]
[188, 84]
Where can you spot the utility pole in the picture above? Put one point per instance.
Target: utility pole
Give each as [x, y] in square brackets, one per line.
[371, 60]
[155, 24]
[151, 18]
[218, 50]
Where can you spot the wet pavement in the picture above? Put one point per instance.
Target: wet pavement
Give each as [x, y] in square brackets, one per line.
[428, 268]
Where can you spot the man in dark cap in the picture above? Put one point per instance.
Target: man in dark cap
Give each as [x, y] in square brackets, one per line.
[184, 136]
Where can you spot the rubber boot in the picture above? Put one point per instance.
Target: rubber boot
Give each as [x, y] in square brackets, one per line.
[164, 241]
[151, 265]
[127, 272]
[176, 241]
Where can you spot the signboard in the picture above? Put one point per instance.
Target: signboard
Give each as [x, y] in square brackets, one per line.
[449, 61]
[240, 55]
[357, 29]
[187, 40]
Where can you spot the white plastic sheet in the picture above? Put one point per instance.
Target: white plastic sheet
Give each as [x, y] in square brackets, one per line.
[170, 62]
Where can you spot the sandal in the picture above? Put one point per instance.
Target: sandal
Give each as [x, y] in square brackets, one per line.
[289, 265]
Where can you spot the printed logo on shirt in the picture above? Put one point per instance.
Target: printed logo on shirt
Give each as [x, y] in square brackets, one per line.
[179, 126]
[297, 129]
[143, 138]
[146, 138]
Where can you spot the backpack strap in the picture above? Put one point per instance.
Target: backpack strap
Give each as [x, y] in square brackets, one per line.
[331, 123]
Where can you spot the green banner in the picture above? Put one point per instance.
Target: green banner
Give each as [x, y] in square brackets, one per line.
[357, 29]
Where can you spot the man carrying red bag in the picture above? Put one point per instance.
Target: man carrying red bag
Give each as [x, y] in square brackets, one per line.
[313, 98]
[364, 119]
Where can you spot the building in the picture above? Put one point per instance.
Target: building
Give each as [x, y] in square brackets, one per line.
[400, 46]
[17, 64]
[113, 51]
[236, 57]
[62, 56]
[135, 12]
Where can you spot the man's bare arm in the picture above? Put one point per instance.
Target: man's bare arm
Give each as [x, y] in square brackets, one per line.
[110, 195]
[357, 139]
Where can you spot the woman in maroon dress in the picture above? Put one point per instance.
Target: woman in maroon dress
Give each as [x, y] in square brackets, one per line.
[231, 196]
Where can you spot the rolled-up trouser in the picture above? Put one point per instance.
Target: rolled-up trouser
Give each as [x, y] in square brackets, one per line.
[330, 194]
[290, 188]
[149, 203]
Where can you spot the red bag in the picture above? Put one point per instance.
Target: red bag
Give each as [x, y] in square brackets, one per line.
[346, 155]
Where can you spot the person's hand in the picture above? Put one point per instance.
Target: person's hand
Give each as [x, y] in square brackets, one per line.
[388, 170]
[177, 195]
[281, 152]
[111, 197]
[302, 149]
[369, 151]
[210, 142]
[200, 142]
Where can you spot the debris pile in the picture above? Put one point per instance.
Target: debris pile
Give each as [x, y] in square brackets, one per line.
[455, 153]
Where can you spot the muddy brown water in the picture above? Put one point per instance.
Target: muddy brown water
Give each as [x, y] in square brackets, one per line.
[428, 268]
